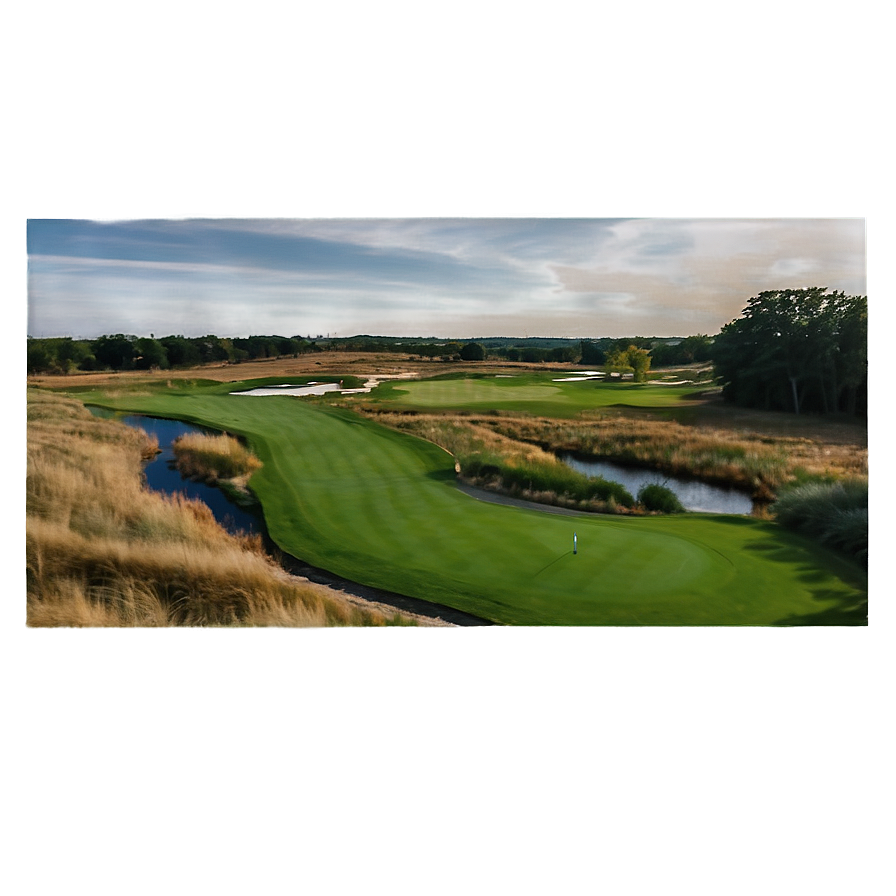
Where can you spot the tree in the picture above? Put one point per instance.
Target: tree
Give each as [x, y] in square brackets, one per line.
[799, 350]
[591, 353]
[639, 361]
[39, 357]
[115, 351]
[182, 352]
[633, 360]
[150, 353]
[472, 351]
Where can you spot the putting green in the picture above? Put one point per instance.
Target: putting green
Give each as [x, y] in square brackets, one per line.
[535, 393]
[381, 508]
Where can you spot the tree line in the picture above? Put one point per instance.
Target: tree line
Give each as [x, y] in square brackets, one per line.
[119, 351]
[797, 350]
[127, 352]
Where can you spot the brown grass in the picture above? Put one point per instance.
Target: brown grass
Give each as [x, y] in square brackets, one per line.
[214, 457]
[750, 460]
[102, 550]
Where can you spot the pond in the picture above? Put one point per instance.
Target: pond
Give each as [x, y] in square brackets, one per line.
[163, 476]
[696, 496]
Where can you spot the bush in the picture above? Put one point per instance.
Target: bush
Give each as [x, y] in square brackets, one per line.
[833, 513]
[659, 498]
[548, 477]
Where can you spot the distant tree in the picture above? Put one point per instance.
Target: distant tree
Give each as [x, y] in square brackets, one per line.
[617, 362]
[632, 359]
[149, 353]
[690, 350]
[115, 351]
[212, 349]
[799, 350]
[182, 352]
[566, 354]
[591, 353]
[665, 355]
[40, 357]
[626, 342]
[698, 348]
[472, 351]
[639, 361]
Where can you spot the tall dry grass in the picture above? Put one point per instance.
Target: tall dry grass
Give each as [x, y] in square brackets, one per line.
[758, 463]
[214, 457]
[491, 460]
[102, 550]
[753, 461]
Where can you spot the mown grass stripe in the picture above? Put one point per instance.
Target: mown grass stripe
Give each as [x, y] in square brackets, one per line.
[378, 506]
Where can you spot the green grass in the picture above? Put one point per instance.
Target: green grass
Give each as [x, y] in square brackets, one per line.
[381, 507]
[534, 393]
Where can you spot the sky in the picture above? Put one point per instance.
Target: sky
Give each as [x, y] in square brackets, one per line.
[443, 277]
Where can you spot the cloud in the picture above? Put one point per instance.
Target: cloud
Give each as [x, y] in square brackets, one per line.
[446, 277]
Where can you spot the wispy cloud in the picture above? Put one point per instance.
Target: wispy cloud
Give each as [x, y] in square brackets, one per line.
[447, 277]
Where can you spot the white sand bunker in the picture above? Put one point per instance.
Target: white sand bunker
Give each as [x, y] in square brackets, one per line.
[288, 389]
[580, 376]
[309, 389]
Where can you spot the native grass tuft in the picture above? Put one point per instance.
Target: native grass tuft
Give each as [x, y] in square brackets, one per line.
[102, 550]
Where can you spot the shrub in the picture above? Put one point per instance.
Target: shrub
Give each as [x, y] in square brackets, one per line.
[548, 477]
[102, 550]
[659, 498]
[833, 513]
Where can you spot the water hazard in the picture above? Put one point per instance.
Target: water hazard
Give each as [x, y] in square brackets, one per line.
[162, 475]
[699, 497]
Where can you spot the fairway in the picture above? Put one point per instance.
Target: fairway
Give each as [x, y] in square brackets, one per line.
[536, 393]
[381, 507]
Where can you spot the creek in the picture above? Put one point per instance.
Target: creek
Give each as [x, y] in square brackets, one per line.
[162, 474]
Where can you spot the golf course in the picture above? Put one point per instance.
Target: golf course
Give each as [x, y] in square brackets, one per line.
[382, 508]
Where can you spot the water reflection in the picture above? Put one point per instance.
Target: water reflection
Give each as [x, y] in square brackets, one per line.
[696, 496]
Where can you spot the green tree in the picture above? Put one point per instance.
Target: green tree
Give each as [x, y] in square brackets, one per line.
[150, 353]
[182, 352]
[639, 361]
[799, 350]
[40, 358]
[631, 360]
[592, 353]
[115, 351]
[472, 351]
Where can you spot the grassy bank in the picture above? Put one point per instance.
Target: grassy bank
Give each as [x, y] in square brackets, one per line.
[104, 551]
[627, 423]
[487, 459]
[758, 464]
[381, 507]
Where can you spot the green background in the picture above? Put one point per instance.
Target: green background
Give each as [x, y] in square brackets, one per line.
[570, 761]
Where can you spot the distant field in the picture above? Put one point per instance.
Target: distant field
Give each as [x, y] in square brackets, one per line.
[381, 507]
[537, 393]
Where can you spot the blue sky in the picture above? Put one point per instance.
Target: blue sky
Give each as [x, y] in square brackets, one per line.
[446, 277]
